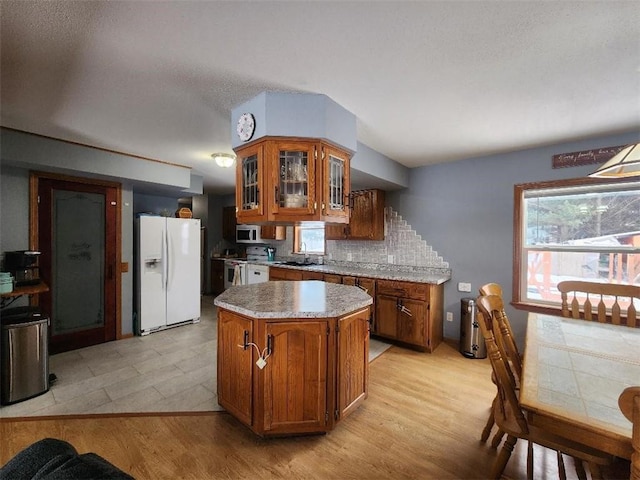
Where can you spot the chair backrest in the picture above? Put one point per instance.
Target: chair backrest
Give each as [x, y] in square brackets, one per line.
[629, 402]
[492, 307]
[590, 300]
[509, 406]
[491, 289]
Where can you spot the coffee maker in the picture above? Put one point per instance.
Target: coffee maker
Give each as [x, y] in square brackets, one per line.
[22, 264]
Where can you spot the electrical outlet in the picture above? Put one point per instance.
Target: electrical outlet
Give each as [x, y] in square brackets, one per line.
[349, 256]
[449, 316]
[389, 258]
[464, 287]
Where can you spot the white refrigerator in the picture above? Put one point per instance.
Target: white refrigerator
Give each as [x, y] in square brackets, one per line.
[167, 272]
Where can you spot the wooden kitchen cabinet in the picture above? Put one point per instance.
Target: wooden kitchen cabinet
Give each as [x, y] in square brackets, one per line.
[332, 278]
[366, 220]
[229, 224]
[289, 180]
[369, 286]
[217, 276]
[276, 273]
[410, 313]
[236, 368]
[295, 384]
[273, 232]
[307, 275]
[316, 372]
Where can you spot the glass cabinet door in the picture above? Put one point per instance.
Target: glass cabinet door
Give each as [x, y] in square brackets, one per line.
[336, 191]
[249, 182]
[295, 175]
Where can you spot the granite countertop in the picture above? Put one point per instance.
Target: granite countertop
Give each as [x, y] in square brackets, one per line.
[293, 299]
[383, 272]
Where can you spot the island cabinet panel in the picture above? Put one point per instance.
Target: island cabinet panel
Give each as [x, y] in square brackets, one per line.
[316, 371]
[295, 379]
[410, 313]
[352, 371]
[235, 365]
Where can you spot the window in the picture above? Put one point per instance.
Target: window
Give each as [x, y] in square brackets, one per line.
[308, 237]
[581, 229]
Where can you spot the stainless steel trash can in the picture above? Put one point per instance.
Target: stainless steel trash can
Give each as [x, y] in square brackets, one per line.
[471, 340]
[24, 365]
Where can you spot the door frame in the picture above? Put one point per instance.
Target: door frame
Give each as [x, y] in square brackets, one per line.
[34, 179]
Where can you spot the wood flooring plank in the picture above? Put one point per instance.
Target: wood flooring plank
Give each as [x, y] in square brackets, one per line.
[422, 420]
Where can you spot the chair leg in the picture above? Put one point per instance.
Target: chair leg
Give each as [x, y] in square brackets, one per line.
[530, 460]
[503, 457]
[582, 475]
[562, 473]
[486, 431]
[497, 438]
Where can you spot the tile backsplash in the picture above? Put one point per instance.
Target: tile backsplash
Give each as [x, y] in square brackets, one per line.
[401, 246]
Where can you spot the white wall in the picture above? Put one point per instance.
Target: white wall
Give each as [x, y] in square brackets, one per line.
[464, 210]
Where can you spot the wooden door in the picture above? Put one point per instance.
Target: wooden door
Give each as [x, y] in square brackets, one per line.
[386, 316]
[295, 382]
[235, 365]
[411, 322]
[335, 231]
[353, 362]
[78, 235]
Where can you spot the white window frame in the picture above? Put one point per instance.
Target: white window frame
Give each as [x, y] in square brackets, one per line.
[522, 250]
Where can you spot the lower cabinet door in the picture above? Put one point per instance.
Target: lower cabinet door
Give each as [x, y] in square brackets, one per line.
[386, 316]
[295, 377]
[352, 362]
[235, 365]
[412, 316]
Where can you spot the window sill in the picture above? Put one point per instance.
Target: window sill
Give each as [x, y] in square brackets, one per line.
[537, 308]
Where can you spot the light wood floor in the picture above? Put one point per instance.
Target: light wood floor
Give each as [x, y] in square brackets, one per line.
[422, 420]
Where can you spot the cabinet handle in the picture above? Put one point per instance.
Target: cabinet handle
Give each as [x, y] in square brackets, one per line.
[246, 340]
[362, 288]
[405, 310]
[269, 344]
[275, 198]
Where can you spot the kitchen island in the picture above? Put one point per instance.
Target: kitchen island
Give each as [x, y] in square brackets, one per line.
[293, 356]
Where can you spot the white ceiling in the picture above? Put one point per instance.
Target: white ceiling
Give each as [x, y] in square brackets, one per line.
[429, 81]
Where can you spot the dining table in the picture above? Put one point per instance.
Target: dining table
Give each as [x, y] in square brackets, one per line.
[573, 373]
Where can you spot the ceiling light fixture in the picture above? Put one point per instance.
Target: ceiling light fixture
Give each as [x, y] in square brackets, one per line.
[626, 163]
[224, 160]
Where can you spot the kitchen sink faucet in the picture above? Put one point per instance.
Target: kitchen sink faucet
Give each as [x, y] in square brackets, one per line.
[303, 248]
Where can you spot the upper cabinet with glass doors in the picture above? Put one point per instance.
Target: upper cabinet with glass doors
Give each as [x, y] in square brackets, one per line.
[289, 180]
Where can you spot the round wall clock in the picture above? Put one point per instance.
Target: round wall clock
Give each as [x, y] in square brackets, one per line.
[246, 126]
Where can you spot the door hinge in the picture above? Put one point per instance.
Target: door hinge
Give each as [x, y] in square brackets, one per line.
[336, 415]
[328, 330]
[38, 198]
[326, 416]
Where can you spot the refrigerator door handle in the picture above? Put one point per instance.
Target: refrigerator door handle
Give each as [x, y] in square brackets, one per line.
[165, 263]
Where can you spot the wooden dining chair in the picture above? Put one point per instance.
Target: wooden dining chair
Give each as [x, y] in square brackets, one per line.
[509, 416]
[586, 301]
[629, 403]
[496, 289]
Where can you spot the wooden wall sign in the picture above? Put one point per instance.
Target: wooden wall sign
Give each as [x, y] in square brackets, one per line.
[586, 157]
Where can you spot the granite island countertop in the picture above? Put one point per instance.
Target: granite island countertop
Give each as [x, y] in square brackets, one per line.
[293, 299]
[435, 276]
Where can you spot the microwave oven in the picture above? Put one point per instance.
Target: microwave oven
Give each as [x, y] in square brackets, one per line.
[248, 234]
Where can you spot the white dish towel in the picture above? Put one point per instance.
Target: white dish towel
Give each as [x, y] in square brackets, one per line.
[237, 277]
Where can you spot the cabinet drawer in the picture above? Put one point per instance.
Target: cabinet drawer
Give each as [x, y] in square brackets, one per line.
[417, 291]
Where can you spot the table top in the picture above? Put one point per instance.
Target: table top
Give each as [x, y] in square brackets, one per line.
[575, 370]
[293, 299]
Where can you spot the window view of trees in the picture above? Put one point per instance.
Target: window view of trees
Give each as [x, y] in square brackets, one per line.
[573, 230]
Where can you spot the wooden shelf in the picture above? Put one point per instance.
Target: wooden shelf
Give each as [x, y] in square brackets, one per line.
[26, 290]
